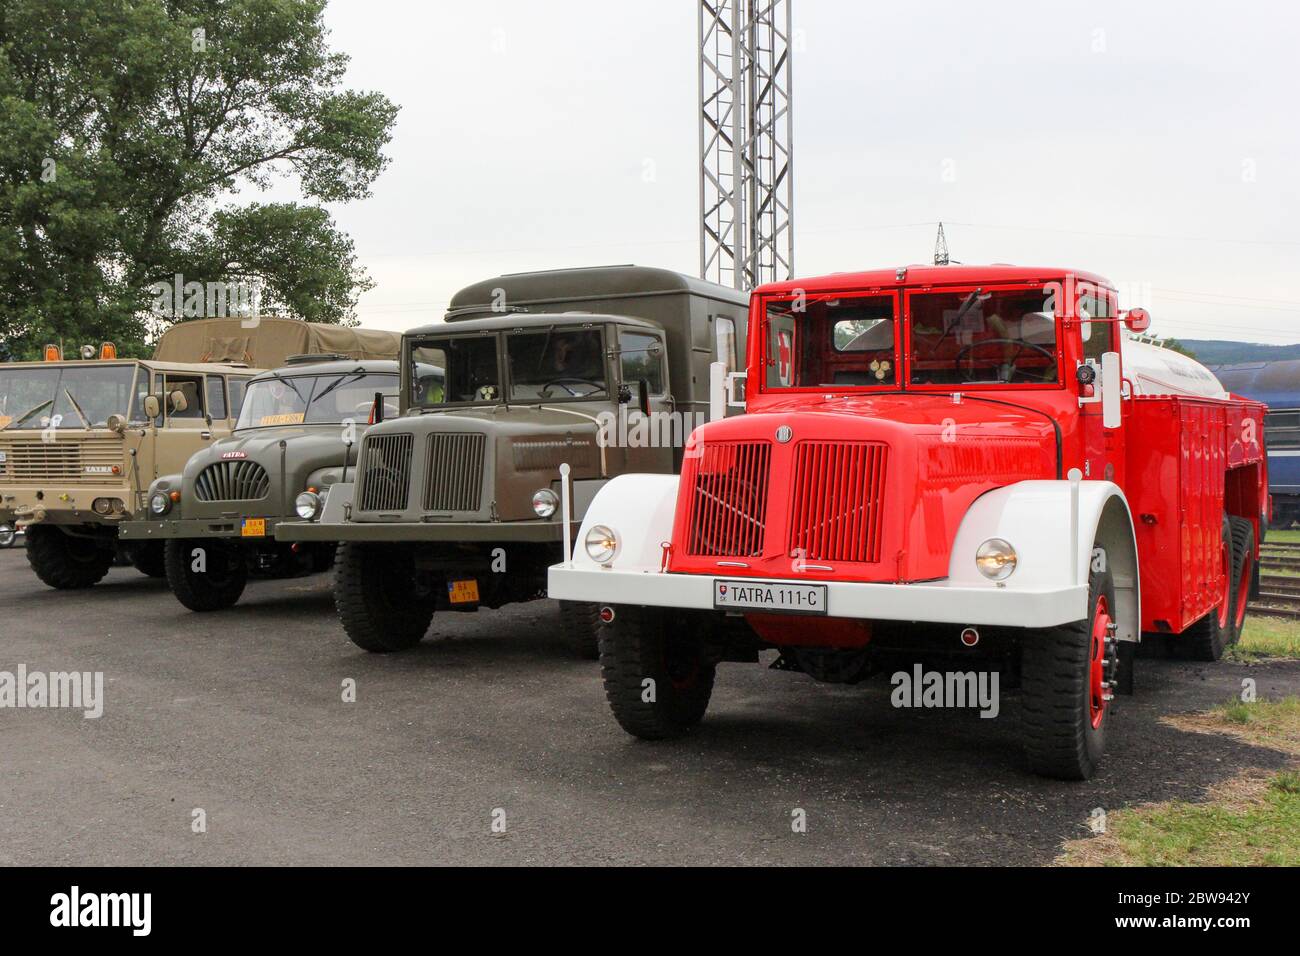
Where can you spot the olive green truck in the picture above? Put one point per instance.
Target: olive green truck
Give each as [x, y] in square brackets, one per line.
[82, 440]
[456, 503]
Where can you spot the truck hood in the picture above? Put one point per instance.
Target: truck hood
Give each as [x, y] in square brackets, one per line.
[243, 474]
[874, 487]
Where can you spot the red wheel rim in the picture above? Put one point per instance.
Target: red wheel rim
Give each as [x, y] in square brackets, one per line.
[1225, 604]
[1243, 587]
[1097, 661]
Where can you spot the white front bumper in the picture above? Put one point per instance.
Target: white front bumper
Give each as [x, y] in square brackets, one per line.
[934, 601]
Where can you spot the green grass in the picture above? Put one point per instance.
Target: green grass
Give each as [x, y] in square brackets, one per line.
[1266, 637]
[1251, 820]
[1283, 537]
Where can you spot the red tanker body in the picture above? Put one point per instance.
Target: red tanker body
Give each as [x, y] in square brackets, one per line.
[928, 452]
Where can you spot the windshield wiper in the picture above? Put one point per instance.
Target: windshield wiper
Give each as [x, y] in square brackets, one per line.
[80, 414]
[349, 376]
[280, 378]
[962, 309]
[25, 415]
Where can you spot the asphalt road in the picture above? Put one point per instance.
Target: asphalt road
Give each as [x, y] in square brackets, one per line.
[241, 714]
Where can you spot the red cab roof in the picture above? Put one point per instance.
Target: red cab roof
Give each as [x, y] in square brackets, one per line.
[928, 275]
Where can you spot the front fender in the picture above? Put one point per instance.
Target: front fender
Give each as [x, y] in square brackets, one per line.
[1035, 518]
[640, 509]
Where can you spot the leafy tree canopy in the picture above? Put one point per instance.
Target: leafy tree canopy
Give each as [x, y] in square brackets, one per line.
[127, 130]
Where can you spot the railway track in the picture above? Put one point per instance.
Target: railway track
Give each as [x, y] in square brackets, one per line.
[1279, 580]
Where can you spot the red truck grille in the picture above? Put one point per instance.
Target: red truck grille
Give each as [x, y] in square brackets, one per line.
[837, 492]
[729, 499]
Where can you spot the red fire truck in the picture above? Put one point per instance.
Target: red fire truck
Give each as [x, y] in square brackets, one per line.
[965, 463]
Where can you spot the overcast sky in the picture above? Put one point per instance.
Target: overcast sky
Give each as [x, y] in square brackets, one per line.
[1157, 143]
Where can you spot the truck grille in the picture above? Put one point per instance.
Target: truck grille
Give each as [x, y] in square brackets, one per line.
[729, 499]
[384, 473]
[533, 454]
[838, 489]
[232, 481]
[454, 470]
[71, 460]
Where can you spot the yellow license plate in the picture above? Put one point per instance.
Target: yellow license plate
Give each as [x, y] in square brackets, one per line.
[462, 592]
[253, 528]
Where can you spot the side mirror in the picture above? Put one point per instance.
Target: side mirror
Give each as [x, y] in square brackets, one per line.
[1137, 320]
[176, 399]
[1110, 390]
[152, 407]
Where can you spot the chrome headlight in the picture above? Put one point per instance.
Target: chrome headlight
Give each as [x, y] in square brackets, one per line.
[307, 505]
[160, 503]
[996, 559]
[601, 544]
[545, 501]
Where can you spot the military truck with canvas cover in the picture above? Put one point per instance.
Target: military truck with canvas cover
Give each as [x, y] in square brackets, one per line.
[456, 503]
[296, 435]
[80, 441]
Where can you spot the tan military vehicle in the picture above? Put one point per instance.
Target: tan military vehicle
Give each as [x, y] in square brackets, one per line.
[456, 502]
[81, 441]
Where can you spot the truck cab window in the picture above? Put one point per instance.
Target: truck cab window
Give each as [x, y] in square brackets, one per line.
[216, 397]
[1005, 337]
[238, 385]
[192, 389]
[556, 363]
[469, 370]
[641, 356]
[835, 342]
[1098, 337]
[724, 330]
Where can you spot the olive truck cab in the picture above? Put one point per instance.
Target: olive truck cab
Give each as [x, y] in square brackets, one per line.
[973, 464]
[456, 503]
[296, 435]
[81, 440]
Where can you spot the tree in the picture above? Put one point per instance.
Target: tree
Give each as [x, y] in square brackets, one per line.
[129, 129]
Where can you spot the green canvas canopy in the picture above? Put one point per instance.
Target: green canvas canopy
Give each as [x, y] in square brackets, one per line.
[267, 342]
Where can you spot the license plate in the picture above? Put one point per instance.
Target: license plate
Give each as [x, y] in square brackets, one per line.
[462, 592]
[253, 528]
[767, 596]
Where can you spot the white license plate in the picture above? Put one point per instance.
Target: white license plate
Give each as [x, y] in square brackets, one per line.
[769, 596]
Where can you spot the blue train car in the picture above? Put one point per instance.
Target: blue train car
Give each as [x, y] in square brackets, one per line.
[1277, 384]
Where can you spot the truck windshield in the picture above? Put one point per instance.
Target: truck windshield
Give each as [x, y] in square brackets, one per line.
[831, 342]
[556, 363]
[977, 337]
[64, 396]
[455, 369]
[321, 399]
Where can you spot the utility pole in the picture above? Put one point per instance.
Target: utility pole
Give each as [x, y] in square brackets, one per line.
[941, 248]
[746, 139]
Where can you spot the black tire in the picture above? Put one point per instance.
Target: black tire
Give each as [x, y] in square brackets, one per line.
[1064, 736]
[1206, 639]
[375, 596]
[64, 561]
[219, 585]
[653, 644]
[1243, 570]
[580, 626]
[322, 557]
[149, 560]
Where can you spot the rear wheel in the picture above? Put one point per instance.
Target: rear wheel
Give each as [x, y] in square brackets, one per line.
[1243, 572]
[375, 594]
[580, 625]
[1067, 677]
[205, 574]
[658, 675]
[1206, 639]
[64, 561]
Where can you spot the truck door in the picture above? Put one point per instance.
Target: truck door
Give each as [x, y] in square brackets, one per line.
[652, 444]
[1103, 449]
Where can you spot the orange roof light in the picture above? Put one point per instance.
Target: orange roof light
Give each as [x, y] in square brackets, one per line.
[52, 354]
[107, 350]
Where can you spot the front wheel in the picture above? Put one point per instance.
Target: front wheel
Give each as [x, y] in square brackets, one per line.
[580, 627]
[657, 672]
[65, 561]
[206, 574]
[377, 599]
[1206, 639]
[1067, 676]
[149, 560]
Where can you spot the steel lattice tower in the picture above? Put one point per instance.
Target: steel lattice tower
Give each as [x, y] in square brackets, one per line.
[746, 135]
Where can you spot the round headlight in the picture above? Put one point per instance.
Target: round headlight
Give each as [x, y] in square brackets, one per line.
[545, 501]
[602, 544]
[996, 559]
[307, 505]
[160, 503]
